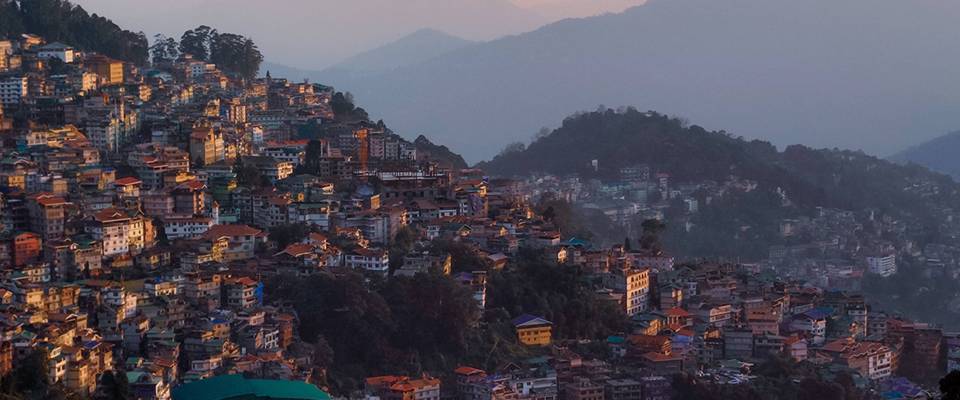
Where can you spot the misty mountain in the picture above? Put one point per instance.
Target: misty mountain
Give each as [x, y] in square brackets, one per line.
[411, 49]
[859, 74]
[938, 154]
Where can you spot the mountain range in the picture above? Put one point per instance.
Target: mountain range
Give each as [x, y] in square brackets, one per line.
[938, 154]
[861, 74]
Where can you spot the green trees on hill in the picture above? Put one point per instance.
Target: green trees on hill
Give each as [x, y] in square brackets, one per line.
[62, 21]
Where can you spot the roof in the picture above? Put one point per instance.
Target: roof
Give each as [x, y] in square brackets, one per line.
[226, 387]
[110, 214]
[231, 230]
[677, 312]
[465, 370]
[527, 320]
[127, 181]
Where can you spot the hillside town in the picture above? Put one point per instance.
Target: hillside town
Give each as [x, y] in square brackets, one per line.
[146, 212]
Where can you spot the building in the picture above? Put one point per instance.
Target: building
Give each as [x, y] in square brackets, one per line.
[375, 261]
[13, 90]
[56, 50]
[581, 388]
[871, 359]
[532, 330]
[392, 387]
[109, 70]
[885, 265]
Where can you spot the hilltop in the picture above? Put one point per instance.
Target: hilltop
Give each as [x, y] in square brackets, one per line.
[811, 177]
[938, 154]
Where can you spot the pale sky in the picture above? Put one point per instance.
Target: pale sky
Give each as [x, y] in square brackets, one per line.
[313, 34]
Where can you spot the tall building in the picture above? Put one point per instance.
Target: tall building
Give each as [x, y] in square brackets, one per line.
[885, 265]
[109, 70]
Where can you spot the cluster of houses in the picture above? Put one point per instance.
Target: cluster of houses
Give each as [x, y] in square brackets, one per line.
[142, 209]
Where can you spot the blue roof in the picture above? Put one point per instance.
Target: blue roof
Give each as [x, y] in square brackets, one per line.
[531, 320]
[236, 387]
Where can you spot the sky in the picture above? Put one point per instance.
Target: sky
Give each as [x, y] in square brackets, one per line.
[313, 34]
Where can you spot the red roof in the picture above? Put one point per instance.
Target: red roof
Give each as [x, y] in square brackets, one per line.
[110, 214]
[677, 312]
[127, 181]
[465, 370]
[231, 230]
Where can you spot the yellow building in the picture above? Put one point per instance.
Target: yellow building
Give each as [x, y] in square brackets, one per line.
[109, 70]
[533, 331]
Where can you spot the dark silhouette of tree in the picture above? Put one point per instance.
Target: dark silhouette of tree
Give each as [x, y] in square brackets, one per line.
[196, 42]
[235, 53]
[285, 235]
[62, 21]
[950, 386]
[113, 386]
[650, 240]
[164, 49]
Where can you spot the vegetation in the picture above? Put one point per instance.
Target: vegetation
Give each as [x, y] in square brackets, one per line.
[63, 21]
[740, 224]
[776, 378]
[561, 294]
[431, 323]
[404, 325]
[439, 153]
[231, 52]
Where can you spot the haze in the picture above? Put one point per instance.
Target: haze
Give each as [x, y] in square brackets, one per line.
[313, 34]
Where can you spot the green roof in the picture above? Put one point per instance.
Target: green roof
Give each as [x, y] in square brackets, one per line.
[236, 387]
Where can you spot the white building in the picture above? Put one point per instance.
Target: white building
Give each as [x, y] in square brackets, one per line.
[56, 50]
[370, 260]
[13, 90]
[186, 227]
[882, 265]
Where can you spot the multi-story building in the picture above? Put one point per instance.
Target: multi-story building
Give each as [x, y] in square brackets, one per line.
[13, 90]
[532, 330]
[883, 265]
[47, 215]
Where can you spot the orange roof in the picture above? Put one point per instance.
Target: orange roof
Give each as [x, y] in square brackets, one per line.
[465, 370]
[110, 214]
[297, 249]
[659, 357]
[127, 181]
[317, 237]
[50, 200]
[384, 380]
[677, 312]
[231, 230]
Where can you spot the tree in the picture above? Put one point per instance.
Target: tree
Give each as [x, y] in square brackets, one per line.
[285, 235]
[196, 42]
[113, 386]
[950, 386]
[164, 49]
[235, 53]
[650, 240]
[249, 176]
[515, 147]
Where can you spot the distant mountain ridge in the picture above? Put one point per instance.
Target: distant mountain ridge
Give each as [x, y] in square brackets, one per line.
[810, 177]
[411, 49]
[939, 154]
[782, 70]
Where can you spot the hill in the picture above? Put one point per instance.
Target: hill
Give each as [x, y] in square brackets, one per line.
[858, 76]
[414, 48]
[938, 154]
[806, 177]
[63, 21]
